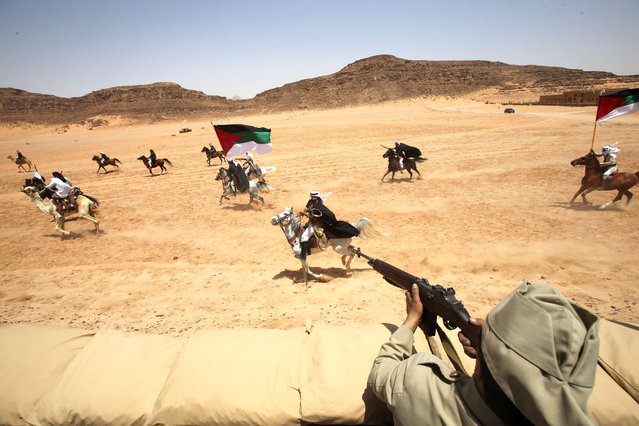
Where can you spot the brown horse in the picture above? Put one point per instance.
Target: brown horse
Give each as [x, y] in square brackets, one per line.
[157, 163]
[109, 162]
[213, 154]
[593, 181]
[20, 162]
[395, 166]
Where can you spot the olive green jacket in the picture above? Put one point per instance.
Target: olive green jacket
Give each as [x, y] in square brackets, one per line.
[421, 389]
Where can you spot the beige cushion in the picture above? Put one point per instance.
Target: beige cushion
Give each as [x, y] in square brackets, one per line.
[336, 362]
[609, 404]
[234, 377]
[114, 380]
[619, 346]
[30, 360]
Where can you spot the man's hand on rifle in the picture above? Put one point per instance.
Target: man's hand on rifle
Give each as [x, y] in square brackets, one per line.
[414, 308]
[465, 341]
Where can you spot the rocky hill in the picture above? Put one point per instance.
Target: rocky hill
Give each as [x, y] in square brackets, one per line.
[371, 80]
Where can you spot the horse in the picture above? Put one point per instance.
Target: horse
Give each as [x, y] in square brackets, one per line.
[395, 166]
[253, 190]
[291, 225]
[258, 172]
[20, 162]
[213, 154]
[86, 207]
[593, 180]
[157, 163]
[109, 162]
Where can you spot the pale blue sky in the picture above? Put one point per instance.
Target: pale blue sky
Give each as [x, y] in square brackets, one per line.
[243, 47]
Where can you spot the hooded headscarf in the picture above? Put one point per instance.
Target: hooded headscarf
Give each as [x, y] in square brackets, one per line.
[542, 352]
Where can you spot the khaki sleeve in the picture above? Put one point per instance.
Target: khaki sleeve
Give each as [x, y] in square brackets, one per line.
[386, 376]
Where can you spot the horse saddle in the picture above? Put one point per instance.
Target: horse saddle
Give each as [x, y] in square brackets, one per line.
[69, 203]
[614, 176]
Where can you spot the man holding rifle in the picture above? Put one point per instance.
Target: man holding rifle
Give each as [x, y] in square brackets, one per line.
[536, 357]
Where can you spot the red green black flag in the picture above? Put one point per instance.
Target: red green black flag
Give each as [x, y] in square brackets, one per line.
[620, 103]
[236, 139]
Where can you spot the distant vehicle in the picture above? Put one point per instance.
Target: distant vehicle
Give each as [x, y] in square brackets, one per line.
[186, 129]
[509, 111]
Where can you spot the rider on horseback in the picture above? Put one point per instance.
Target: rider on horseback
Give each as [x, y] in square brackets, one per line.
[322, 221]
[239, 180]
[19, 156]
[38, 179]
[62, 188]
[103, 158]
[404, 151]
[609, 164]
[152, 158]
[251, 166]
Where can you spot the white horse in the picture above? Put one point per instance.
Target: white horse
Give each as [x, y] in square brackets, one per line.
[253, 190]
[86, 206]
[259, 174]
[291, 226]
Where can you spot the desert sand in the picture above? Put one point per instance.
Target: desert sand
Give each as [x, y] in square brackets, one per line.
[490, 210]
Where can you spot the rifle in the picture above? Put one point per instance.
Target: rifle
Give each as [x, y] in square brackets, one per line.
[437, 300]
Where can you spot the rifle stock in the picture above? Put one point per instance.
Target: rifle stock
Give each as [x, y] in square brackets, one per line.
[437, 300]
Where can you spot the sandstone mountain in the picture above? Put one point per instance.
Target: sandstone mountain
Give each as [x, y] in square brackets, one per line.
[372, 80]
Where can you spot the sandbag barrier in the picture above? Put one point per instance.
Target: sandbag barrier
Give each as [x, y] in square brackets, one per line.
[315, 374]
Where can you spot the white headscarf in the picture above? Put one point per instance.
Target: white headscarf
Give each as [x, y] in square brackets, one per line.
[316, 193]
[610, 149]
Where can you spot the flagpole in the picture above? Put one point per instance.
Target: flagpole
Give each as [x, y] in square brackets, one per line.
[592, 144]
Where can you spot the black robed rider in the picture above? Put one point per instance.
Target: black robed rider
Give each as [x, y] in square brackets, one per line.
[238, 176]
[406, 151]
[322, 216]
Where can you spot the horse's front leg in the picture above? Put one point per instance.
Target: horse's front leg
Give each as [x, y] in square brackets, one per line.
[579, 191]
[59, 225]
[347, 263]
[307, 271]
[586, 192]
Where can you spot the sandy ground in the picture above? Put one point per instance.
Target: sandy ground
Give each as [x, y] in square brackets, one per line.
[491, 209]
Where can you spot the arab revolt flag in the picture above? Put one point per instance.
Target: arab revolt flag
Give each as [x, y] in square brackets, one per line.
[620, 103]
[236, 139]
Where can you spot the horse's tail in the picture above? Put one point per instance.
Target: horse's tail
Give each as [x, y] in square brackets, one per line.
[364, 226]
[167, 161]
[420, 159]
[115, 160]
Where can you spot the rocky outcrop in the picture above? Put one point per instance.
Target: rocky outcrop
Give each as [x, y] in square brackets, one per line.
[372, 80]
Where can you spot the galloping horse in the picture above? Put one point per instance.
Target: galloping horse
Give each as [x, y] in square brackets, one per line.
[109, 162]
[213, 154]
[85, 210]
[157, 163]
[254, 187]
[292, 228]
[258, 172]
[592, 180]
[20, 163]
[394, 164]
